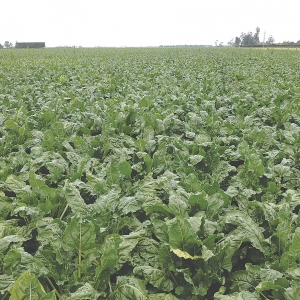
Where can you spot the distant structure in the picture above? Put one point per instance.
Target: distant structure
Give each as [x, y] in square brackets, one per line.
[30, 45]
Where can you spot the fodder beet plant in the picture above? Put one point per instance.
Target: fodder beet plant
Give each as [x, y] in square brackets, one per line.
[149, 174]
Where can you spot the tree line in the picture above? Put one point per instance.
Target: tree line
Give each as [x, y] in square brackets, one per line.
[252, 39]
[7, 44]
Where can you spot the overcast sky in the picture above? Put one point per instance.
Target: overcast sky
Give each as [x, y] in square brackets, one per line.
[90, 23]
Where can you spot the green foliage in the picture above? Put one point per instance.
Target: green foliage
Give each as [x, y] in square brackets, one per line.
[150, 174]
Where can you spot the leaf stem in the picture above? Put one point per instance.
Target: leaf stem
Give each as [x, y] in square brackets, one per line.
[174, 279]
[110, 289]
[64, 211]
[53, 287]
[79, 252]
[5, 295]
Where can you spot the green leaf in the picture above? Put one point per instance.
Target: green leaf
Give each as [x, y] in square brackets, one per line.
[39, 187]
[86, 292]
[109, 258]
[181, 236]
[75, 200]
[6, 283]
[11, 125]
[17, 185]
[165, 258]
[178, 206]
[268, 285]
[254, 163]
[129, 205]
[198, 200]
[252, 231]
[160, 230]
[27, 286]
[243, 281]
[161, 296]
[129, 288]
[243, 295]
[49, 296]
[227, 247]
[295, 245]
[195, 159]
[7, 240]
[125, 169]
[158, 278]
[127, 245]
[79, 235]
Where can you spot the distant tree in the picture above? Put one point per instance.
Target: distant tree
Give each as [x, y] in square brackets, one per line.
[7, 44]
[270, 40]
[248, 39]
[256, 36]
[237, 41]
[298, 42]
[1, 46]
[231, 42]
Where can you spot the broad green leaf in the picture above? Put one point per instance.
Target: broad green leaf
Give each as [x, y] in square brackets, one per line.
[79, 235]
[11, 125]
[148, 249]
[5, 208]
[158, 207]
[160, 230]
[165, 258]
[178, 206]
[110, 255]
[156, 277]
[243, 295]
[27, 286]
[181, 236]
[7, 227]
[269, 274]
[7, 240]
[295, 245]
[129, 288]
[107, 202]
[49, 296]
[129, 205]
[125, 169]
[17, 261]
[161, 296]
[255, 164]
[215, 203]
[86, 292]
[243, 281]
[284, 228]
[74, 200]
[227, 247]
[6, 283]
[127, 245]
[195, 159]
[252, 231]
[17, 185]
[268, 285]
[39, 187]
[198, 200]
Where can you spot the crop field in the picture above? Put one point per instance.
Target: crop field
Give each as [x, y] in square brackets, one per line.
[148, 174]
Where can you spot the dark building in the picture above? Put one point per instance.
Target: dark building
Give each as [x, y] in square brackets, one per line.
[31, 45]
